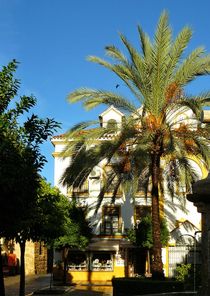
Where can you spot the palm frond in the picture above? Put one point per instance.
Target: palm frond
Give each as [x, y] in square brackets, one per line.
[139, 69]
[203, 149]
[188, 173]
[145, 45]
[120, 69]
[176, 51]
[79, 136]
[162, 45]
[92, 98]
[107, 182]
[194, 65]
[123, 71]
[115, 53]
[201, 100]
[80, 126]
[160, 56]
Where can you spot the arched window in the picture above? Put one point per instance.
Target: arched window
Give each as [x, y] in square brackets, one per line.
[112, 123]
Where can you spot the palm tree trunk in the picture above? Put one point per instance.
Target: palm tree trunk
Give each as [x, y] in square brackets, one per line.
[22, 268]
[2, 289]
[157, 265]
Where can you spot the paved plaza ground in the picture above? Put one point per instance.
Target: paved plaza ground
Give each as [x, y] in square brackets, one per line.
[34, 283]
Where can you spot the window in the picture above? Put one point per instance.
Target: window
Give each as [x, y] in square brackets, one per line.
[97, 261]
[77, 261]
[111, 220]
[102, 262]
[112, 124]
[141, 212]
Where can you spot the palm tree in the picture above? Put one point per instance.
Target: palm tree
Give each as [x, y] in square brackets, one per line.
[156, 142]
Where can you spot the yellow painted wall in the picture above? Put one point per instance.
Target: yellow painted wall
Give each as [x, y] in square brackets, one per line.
[166, 265]
[96, 276]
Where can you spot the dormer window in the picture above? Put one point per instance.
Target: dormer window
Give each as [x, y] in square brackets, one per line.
[111, 118]
[95, 173]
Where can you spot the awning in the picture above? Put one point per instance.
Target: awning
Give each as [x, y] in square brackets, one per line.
[108, 245]
[125, 244]
[104, 245]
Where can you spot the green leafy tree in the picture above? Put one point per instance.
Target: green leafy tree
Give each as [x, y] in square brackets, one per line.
[20, 161]
[77, 233]
[141, 235]
[10, 157]
[154, 143]
[51, 217]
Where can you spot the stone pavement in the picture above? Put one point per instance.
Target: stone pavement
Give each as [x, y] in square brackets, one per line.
[92, 290]
[36, 282]
[33, 282]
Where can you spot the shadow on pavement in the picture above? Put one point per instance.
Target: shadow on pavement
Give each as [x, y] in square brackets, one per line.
[32, 283]
[78, 292]
[92, 290]
[38, 282]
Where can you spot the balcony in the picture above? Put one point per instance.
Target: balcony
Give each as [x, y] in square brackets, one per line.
[143, 190]
[112, 190]
[82, 190]
[108, 228]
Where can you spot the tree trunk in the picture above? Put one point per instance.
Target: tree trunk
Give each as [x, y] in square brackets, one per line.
[2, 289]
[50, 258]
[65, 255]
[157, 265]
[22, 268]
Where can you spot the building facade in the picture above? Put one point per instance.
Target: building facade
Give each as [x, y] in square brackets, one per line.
[36, 258]
[110, 254]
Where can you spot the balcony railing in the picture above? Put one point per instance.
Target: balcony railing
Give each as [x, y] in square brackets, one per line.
[142, 191]
[112, 190]
[81, 190]
[111, 229]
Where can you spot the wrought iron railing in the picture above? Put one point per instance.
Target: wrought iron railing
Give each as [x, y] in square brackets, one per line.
[83, 189]
[111, 229]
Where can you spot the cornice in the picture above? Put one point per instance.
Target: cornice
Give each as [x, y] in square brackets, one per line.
[56, 154]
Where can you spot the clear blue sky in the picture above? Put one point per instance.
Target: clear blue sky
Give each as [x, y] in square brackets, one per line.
[52, 38]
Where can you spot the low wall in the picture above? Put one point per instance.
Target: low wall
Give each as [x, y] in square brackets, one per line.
[135, 286]
[174, 294]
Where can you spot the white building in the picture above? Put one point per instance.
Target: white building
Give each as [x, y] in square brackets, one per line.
[110, 253]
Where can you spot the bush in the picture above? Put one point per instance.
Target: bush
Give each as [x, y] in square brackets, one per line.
[185, 273]
[182, 272]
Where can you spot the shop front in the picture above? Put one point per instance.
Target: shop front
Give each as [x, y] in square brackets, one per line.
[100, 262]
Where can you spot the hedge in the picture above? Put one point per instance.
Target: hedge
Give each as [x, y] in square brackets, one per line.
[136, 286]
